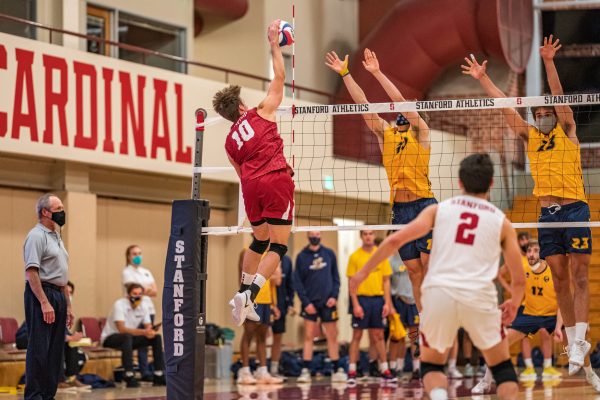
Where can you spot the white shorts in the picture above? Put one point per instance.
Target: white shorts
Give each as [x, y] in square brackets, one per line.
[443, 315]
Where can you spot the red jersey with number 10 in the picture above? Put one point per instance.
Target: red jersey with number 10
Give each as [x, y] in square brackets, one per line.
[255, 145]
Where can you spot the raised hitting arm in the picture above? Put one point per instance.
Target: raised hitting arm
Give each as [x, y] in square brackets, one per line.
[418, 125]
[376, 124]
[511, 116]
[268, 106]
[563, 113]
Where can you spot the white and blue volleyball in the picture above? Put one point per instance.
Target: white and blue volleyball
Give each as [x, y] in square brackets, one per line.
[286, 34]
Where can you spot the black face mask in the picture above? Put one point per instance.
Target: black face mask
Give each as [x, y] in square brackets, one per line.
[524, 248]
[314, 240]
[60, 217]
[135, 299]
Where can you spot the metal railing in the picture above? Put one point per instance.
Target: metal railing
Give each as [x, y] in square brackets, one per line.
[227, 73]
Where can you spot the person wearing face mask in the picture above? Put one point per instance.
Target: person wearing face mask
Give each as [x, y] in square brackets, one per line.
[122, 332]
[47, 305]
[554, 156]
[316, 280]
[538, 312]
[135, 273]
[405, 152]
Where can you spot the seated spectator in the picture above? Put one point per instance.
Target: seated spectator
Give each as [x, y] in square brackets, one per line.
[135, 273]
[121, 332]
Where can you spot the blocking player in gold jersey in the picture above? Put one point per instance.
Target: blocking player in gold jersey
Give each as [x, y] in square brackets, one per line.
[405, 150]
[555, 160]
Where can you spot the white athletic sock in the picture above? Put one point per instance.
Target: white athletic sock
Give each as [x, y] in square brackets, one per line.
[488, 377]
[274, 367]
[247, 278]
[588, 370]
[416, 364]
[262, 370]
[547, 362]
[400, 364]
[528, 363]
[580, 330]
[352, 367]
[571, 332]
[245, 370]
[158, 373]
[393, 365]
[452, 363]
[259, 280]
[128, 374]
[383, 366]
[438, 394]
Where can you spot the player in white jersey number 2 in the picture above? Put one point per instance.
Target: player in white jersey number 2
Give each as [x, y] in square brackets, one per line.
[469, 234]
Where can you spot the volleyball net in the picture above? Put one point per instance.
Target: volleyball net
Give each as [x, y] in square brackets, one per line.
[341, 183]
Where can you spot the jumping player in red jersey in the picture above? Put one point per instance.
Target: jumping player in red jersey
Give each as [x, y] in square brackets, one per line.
[255, 149]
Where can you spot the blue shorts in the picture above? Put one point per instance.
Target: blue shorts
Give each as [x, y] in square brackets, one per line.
[278, 326]
[530, 324]
[409, 315]
[264, 312]
[373, 308]
[565, 240]
[324, 313]
[403, 213]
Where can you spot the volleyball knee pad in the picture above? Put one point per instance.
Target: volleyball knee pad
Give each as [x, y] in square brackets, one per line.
[504, 372]
[279, 249]
[259, 246]
[429, 367]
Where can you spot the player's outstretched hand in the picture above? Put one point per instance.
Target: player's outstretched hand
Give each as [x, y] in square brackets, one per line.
[333, 61]
[370, 62]
[473, 68]
[273, 32]
[550, 47]
[509, 312]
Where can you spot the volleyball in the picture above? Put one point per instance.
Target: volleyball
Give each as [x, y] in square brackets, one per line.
[286, 34]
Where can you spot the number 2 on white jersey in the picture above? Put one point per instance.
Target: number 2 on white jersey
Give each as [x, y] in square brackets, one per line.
[245, 131]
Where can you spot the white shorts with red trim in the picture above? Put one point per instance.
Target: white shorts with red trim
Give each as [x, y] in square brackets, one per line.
[443, 315]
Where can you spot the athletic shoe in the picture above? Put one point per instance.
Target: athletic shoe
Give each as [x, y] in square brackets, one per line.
[339, 376]
[388, 378]
[454, 373]
[528, 375]
[374, 369]
[245, 378]
[482, 387]
[481, 370]
[265, 378]
[577, 354]
[551, 373]
[131, 382]
[252, 315]
[351, 378]
[593, 380]
[304, 376]
[242, 306]
[74, 383]
[159, 380]
[416, 375]
[278, 376]
[469, 370]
